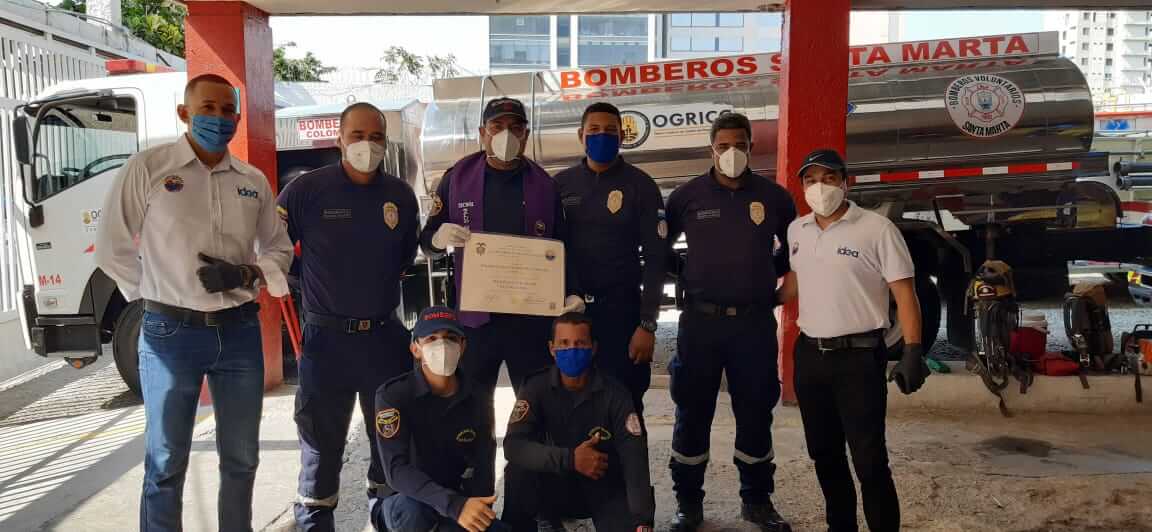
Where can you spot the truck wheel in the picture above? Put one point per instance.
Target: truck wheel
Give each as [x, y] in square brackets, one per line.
[929, 298]
[125, 345]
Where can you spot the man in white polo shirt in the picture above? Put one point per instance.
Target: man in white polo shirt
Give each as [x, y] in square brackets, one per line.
[845, 261]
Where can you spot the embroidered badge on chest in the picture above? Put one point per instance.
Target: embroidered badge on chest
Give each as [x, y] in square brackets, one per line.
[391, 215]
[756, 212]
[615, 201]
[466, 436]
[541, 229]
[437, 205]
[519, 411]
[173, 183]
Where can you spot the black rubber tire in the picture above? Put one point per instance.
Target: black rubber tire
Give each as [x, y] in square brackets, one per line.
[125, 345]
[930, 305]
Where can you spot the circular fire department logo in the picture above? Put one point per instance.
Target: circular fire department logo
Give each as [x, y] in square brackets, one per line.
[984, 106]
[635, 130]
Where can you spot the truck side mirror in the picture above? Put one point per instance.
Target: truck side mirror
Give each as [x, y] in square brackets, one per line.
[20, 138]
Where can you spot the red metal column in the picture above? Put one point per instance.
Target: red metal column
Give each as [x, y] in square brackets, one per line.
[813, 109]
[233, 40]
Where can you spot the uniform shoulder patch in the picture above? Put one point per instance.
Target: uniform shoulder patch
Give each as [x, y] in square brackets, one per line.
[437, 205]
[388, 423]
[632, 425]
[604, 433]
[391, 215]
[466, 436]
[520, 411]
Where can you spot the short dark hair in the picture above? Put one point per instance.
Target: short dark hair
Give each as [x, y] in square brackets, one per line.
[206, 78]
[730, 121]
[600, 107]
[362, 105]
[572, 318]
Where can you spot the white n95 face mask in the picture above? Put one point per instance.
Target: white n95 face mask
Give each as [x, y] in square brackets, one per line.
[733, 162]
[365, 155]
[824, 199]
[505, 146]
[441, 356]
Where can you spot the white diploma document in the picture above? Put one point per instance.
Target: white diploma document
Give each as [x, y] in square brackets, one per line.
[512, 275]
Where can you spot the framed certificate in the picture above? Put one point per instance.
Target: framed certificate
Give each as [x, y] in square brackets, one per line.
[512, 275]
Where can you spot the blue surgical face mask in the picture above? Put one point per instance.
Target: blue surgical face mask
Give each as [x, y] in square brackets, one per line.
[213, 133]
[573, 361]
[602, 147]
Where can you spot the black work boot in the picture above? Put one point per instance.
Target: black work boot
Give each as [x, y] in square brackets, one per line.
[765, 516]
[689, 515]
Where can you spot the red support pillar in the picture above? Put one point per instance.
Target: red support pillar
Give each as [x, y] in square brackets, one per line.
[233, 40]
[813, 110]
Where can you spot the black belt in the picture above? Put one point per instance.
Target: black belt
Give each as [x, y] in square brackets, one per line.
[727, 311]
[195, 318]
[867, 340]
[347, 325]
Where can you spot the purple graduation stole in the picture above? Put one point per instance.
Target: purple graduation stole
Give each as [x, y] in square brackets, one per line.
[466, 208]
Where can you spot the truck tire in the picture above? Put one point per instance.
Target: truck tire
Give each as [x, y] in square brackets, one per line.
[125, 345]
[930, 305]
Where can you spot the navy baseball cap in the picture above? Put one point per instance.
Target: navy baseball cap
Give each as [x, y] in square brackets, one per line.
[829, 159]
[499, 107]
[434, 319]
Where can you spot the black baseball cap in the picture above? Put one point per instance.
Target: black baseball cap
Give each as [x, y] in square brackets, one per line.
[827, 158]
[499, 107]
[434, 319]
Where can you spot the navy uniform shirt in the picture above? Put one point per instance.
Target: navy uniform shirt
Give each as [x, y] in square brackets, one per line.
[437, 450]
[737, 239]
[356, 240]
[615, 218]
[549, 421]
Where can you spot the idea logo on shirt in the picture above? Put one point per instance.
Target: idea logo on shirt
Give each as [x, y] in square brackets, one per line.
[848, 252]
[246, 192]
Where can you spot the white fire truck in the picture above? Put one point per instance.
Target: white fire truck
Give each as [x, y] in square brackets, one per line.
[977, 147]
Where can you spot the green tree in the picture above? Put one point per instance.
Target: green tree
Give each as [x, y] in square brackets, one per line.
[403, 66]
[307, 68]
[157, 22]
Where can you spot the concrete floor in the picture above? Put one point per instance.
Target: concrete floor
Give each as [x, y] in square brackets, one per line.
[81, 470]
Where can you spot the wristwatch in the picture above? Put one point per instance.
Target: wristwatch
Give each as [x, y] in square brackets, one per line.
[648, 325]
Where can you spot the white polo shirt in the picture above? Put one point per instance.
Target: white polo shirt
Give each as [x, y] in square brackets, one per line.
[179, 208]
[843, 271]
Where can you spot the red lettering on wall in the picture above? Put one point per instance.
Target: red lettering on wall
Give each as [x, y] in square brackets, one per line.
[722, 67]
[623, 76]
[673, 71]
[944, 51]
[595, 77]
[879, 55]
[569, 79]
[854, 55]
[1017, 44]
[993, 44]
[649, 73]
[915, 52]
[697, 69]
[970, 48]
[746, 65]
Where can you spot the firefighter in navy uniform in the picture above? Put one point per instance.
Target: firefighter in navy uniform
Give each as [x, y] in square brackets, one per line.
[616, 216]
[578, 431]
[353, 341]
[736, 225]
[435, 438]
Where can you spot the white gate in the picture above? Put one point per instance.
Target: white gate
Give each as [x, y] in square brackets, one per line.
[39, 47]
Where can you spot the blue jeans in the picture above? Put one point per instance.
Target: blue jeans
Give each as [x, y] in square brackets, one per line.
[401, 513]
[174, 359]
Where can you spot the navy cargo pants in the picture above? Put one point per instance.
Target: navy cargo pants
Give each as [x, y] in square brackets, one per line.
[742, 347]
[614, 321]
[336, 367]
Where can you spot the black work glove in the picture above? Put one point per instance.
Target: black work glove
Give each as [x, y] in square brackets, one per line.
[222, 276]
[911, 371]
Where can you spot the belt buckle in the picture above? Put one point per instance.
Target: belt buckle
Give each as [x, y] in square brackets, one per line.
[730, 311]
[210, 319]
[363, 325]
[820, 346]
[589, 299]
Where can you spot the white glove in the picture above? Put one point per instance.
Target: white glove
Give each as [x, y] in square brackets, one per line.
[450, 236]
[574, 304]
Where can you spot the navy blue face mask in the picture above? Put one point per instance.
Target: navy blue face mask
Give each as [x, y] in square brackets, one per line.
[602, 147]
[213, 133]
[573, 361]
